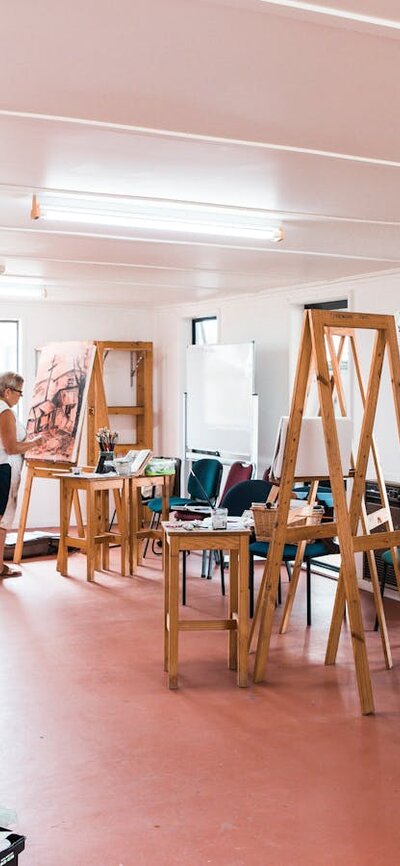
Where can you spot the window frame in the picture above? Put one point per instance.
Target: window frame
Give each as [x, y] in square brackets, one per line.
[197, 321]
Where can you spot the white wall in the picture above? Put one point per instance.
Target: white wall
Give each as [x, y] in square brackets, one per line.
[274, 322]
[43, 322]
[266, 320]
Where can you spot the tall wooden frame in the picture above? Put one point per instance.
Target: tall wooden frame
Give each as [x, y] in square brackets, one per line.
[368, 521]
[313, 356]
[142, 353]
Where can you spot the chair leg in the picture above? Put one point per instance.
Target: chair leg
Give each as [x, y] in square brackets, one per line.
[308, 564]
[222, 565]
[204, 564]
[211, 555]
[153, 543]
[383, 584]
[279, 590]
[146, 547]
[183, 577]
[289, 570]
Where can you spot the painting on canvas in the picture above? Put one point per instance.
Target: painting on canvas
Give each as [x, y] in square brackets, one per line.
[59, 399]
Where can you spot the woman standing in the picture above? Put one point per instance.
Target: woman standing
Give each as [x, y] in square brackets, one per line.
[13, 445]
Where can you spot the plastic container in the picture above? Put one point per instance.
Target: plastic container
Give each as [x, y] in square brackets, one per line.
[160, 466]
[9, 854]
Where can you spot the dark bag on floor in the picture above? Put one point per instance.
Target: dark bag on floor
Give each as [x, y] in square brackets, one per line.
[35, 544]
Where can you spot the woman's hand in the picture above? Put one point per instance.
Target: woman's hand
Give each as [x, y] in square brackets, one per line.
[36, 440]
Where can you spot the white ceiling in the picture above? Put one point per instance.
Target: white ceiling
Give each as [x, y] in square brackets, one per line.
[235, 102]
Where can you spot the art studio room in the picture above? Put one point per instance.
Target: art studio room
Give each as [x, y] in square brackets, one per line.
[199, 433]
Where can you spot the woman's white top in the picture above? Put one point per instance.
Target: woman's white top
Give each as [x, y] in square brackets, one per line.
[20, 433]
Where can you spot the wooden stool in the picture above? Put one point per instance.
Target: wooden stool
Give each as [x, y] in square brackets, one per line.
[95, 542]
[236, 540]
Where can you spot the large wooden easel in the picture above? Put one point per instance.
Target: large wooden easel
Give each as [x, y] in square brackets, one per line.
[368, 521]
[319, 325]
[97, 414]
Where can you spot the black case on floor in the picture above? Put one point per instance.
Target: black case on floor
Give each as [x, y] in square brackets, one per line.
[35, 544]
[10, 855]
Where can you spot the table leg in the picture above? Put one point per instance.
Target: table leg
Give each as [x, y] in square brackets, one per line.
[166, 598]
[124, 528]
[173, 605]
[131, 492]
[105, 518]
[90, 534]
[233, 608]
[65, 512]
[98, 503]
[134, 528]
[243, 612]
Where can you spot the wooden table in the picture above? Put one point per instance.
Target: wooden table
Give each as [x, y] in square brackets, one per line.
[136, 531]
[236, 541]
[95, 541]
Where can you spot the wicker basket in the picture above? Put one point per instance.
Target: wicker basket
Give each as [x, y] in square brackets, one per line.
[265, 518]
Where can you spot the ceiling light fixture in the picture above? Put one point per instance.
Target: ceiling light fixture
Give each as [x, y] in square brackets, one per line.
[347, 15]
[160, 215]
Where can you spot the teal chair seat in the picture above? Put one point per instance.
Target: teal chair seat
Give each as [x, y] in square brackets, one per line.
[317, 548]
[312, 551]
[388, 558]
[155, 504]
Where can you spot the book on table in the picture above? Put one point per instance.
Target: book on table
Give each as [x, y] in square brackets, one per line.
[134, 462]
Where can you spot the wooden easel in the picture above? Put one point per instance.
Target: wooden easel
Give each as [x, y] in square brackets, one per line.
[97, 417]
[313, 354]
[368, 522]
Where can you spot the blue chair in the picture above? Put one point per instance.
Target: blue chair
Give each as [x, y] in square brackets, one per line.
[237, 500]
[387, 560]
[231, 502]
[205, 478]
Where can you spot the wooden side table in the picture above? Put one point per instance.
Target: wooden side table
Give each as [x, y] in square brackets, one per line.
[236, 541]
[96, 539]
[136, 532]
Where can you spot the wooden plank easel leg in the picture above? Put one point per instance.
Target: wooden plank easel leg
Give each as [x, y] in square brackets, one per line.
[296, 568]
[273, 564]
[24, 514]
[347, 523]
[337, 385]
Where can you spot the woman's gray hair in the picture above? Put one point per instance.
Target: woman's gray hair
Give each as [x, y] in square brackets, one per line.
[10, 380]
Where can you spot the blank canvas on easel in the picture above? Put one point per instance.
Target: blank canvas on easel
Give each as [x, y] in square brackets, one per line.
[59, 399]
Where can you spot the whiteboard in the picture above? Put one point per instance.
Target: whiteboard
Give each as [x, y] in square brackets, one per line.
[220, 401]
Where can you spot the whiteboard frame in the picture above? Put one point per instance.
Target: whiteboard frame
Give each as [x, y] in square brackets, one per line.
[225, 457]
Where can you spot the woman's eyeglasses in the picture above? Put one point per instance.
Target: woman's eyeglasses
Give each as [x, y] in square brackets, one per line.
[17, 391]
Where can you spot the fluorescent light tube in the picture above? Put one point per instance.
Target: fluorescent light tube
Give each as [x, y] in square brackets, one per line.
[347, 15]
[8, 290]
[163, 215]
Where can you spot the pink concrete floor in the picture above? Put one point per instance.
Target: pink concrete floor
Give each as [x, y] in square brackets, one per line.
[106, 767]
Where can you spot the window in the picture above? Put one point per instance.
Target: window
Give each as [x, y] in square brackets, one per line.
[334, 305]
[9, 345]
[204, 330]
